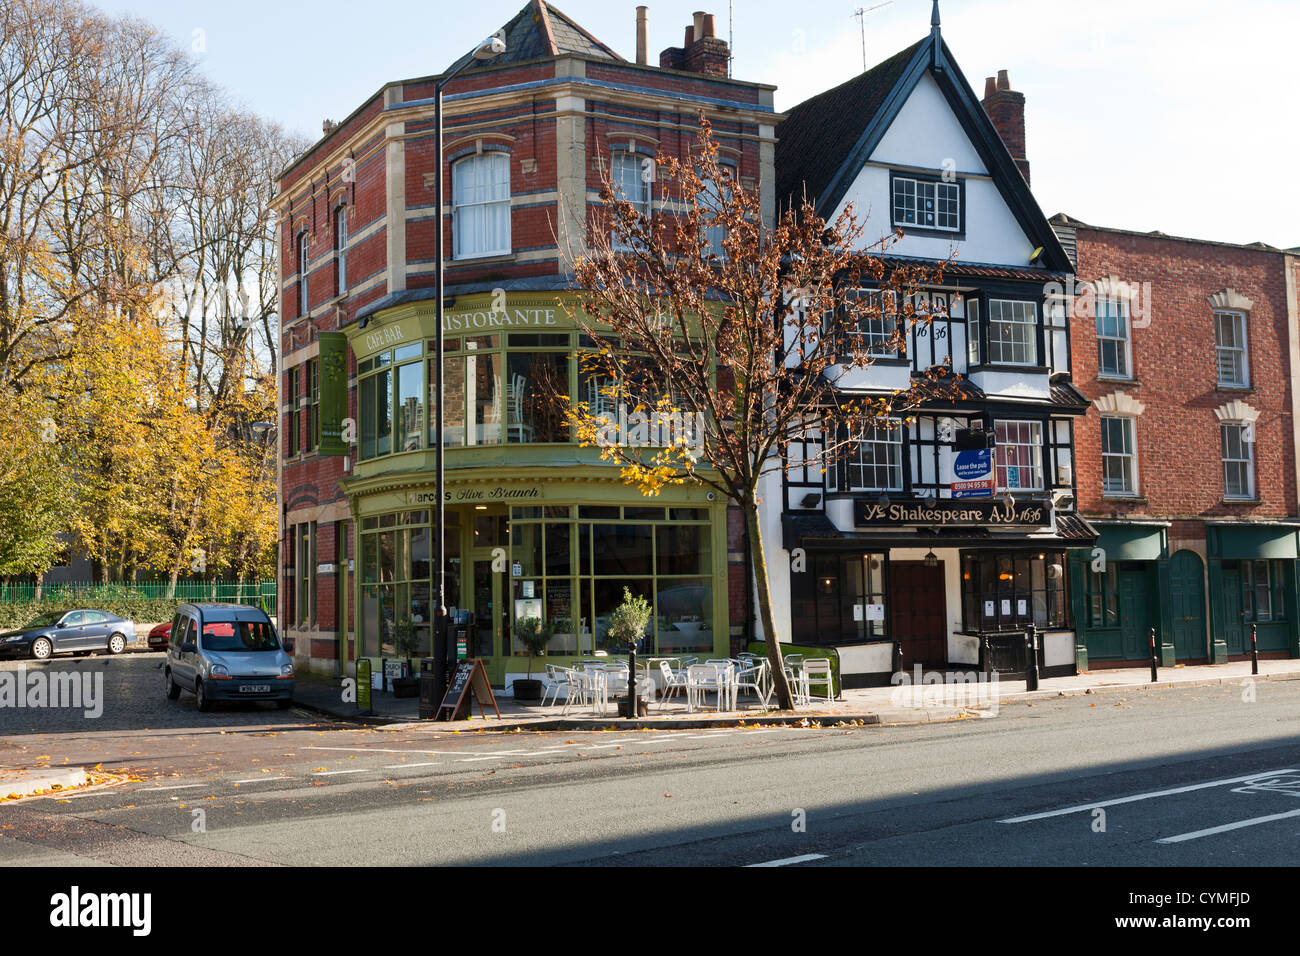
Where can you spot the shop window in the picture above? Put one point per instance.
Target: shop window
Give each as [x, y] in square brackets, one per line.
[535, 385]
[1103, 599]
[1238, 445]
[480, 196]
[1263, 587]
[1013, 332]
[1114, 346]
[1019, 455]
[397, 570]
[1007, 591]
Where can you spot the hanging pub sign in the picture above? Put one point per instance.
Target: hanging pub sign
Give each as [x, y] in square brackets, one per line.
[947, 513]
[333, 392]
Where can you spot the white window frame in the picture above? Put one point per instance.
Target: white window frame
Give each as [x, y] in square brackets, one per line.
[1027, 435]
[1247, 448]
[1015, 317]
[874, 333]
[304, 269]
[972, 331]
[1237, 352]
[711, 198]
[1127, 456]
[341, 247]
[498, 200]
[886, 435]
[643, 200]
[1108, 307]
[909, 199]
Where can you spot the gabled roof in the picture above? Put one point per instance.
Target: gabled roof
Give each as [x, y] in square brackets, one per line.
[539, 30]
[824, 142]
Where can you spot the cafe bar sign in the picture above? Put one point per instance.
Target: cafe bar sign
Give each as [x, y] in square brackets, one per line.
[961, 513]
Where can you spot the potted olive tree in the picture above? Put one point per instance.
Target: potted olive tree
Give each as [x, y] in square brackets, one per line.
[534, 635]
[627, 624]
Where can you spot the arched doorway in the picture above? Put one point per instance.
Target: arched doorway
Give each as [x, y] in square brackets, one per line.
[1187, 605]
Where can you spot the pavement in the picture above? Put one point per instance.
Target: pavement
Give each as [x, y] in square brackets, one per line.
[894, 705]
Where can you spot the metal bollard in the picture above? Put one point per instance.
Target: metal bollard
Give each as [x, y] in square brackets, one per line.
[1254, 651]
[1155, 661]
[1031, 672]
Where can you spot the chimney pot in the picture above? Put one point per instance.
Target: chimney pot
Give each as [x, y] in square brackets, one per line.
[1004, 81]
[690, 36]
[699, 25]
[642, 35]
[990, 87]
[710, 29]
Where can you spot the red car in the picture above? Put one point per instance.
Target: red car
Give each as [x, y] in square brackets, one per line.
[159, 636]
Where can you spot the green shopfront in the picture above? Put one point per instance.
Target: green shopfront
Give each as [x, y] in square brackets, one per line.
[1201, 586]
[536, 526]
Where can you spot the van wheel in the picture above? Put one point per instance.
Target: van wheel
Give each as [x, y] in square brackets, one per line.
[205, 705]
[116, 644]
[173, 688]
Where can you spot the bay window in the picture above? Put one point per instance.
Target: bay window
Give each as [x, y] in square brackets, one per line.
[876, 459]
[1013, 332]
[1019, 455]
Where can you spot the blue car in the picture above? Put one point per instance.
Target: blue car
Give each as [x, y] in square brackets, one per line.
[78, 631]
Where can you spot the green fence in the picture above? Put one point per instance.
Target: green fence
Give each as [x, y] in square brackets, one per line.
[258, 593]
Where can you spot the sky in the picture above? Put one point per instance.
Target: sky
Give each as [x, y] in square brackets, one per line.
[1169, 115]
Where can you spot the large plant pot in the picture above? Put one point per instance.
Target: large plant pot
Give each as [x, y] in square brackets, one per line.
[642, 707]
[406, 687]
[527, 689]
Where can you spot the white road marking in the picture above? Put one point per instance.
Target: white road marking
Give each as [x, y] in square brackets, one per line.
[790, 861]
[184, 786]
[1083, 807]
[376, 750]
[399, 766]
[335, 773]
[1211, 831]
[261, 779]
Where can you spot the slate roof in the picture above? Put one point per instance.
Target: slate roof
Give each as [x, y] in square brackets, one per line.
[817, 135]
[540, 30]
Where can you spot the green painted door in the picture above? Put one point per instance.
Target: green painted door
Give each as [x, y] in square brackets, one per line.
[1187, 605]
[1134, 616]
[1234, 628]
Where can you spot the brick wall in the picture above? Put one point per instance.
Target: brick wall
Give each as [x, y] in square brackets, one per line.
[1175, 377]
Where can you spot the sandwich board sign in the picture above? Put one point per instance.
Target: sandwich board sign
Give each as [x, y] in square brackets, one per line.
[469, 678]
[972, 473]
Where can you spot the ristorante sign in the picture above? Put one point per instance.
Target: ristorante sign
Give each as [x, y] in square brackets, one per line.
[951, 514]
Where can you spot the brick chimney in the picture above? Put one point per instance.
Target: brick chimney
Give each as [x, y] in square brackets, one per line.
[702, 51]
[1006, 108]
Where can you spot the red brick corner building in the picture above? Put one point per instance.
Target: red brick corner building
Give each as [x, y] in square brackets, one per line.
[536, 526]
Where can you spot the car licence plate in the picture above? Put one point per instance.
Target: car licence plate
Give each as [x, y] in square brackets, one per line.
[255, 689]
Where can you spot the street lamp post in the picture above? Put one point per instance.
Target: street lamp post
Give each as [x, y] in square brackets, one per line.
[487, 50]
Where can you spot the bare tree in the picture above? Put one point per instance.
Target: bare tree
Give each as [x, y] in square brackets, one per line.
[743, 336]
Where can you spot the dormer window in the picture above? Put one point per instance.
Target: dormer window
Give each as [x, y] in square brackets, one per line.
[927, 204]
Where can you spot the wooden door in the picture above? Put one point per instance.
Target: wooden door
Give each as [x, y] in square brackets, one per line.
[1234, 619]
[919, 617]
[1134, 613]
[1187, 605]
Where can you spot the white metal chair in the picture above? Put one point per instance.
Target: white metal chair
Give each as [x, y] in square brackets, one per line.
[672, 681]
[817, 673]
[556, 678]
[753, 676]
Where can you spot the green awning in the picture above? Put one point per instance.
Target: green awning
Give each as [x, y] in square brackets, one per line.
[1131, 542]
[1256, 541]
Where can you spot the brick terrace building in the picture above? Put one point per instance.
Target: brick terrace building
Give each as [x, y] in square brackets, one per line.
[1187, 462]
[536, 525]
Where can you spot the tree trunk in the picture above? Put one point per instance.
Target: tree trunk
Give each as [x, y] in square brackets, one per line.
[784, 699]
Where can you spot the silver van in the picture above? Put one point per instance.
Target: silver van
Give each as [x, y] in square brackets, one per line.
[227, 652]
